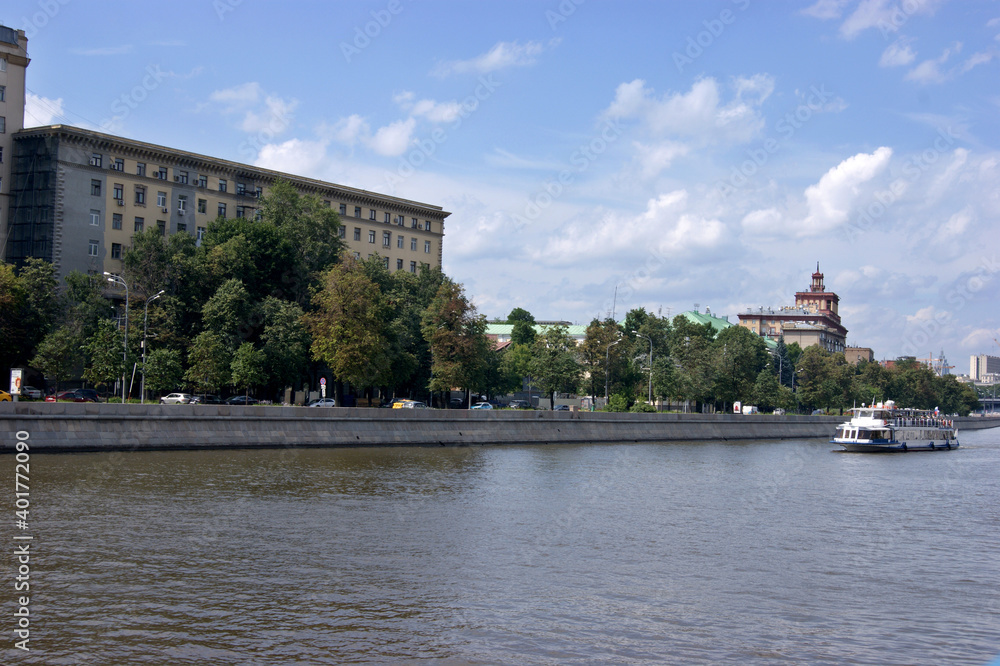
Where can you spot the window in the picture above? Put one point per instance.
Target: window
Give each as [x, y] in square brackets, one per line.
[201, 233]
[140, 195]
[357, 255]
[119, 191]
[427, 247]
[259, 192]
[3, 64]
[386, 239]
[357, 211]
[240, 211]
[1, 154]
[413, 267]
[161, 173]
[202, 205]
[118, 164]
[3, 125]
[222, 210]
[139, 224]
[161, 199]
[223, 184]
[3, 93]
[385, 263]
[182, 202]
[343, 209]
[202, 181]
[116, 250]
[400, 240]
[181, 177]
[92, 248]
[241, 189]
[161, 227]
[140, 168]
[96, 159]
[341, 231]
[386, 218]
[95, 188]
[181, 226]
[413, 244]
[413, 223]
[371, 236]
[357, 234]
[95, 218]
[399, 264]
[427, 225]
[371, 214]
[116, 221]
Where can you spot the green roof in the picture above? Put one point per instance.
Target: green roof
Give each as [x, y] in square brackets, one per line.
[574, 330]
[719, 324]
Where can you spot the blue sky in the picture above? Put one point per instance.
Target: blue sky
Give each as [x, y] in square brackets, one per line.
[683, 152]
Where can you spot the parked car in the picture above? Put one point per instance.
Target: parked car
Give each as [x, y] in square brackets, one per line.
[75, 395]
[779, 412]
[31, 392]
[411, 404]
[561, 408]
[399, 402]
[176, 399]
[206, 400]
[241, 400]
[482, 405]
[323, 402]
[90, 395]
[4, 396]
[519, 404]
[818, 412]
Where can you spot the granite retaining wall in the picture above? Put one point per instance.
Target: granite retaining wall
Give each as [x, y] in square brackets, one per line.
[108, 427]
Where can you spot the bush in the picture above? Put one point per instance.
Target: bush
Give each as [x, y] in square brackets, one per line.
[642, 407]
[617, 403]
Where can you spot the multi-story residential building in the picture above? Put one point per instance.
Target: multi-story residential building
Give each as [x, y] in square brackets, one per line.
[813, 320]
[13, 63]
[982, 365]
[76, 197]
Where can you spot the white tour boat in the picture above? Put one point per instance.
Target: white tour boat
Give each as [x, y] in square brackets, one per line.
[883, 427]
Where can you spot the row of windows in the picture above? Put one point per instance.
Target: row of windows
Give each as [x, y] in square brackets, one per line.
[399, 263]
[387, 239]
[180, 176]
[116, 248]
[118, 192]
[388, 218]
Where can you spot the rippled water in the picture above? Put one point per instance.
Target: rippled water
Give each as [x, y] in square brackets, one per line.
[762, 552]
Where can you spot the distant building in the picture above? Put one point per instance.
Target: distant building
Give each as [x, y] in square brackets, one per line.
[813, 320]
[500, 333]
[856, 355]
[982, 365]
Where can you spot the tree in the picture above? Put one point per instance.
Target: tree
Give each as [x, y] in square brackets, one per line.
[231, 314]
[601, 356]
[693, 353]
[247, 368]
[555, 364]
[104, 354]
[58, 354]
[766, 395]
[348, 326]
[741, 356]
[285, 341]
[523, 331]
[456, 333]
[783, 365]
[163, 370]
[209, 363]
[815, 377]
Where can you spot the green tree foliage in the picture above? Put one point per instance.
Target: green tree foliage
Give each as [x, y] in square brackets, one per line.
[231, 314]
[693, 352]
[349, 326]
[603, 357]
[741, 355]
[555, 364]
[209, 363]
[58, 354]
[163, 370]
[782, 365]
[29, 309]
[285, 341]
[766, 394]
[523, 331]
[104, 349]
[247, 367]
[456, 333]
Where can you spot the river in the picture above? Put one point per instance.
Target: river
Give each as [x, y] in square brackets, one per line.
[765, 552]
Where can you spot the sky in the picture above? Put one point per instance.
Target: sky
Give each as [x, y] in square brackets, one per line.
[599, 156]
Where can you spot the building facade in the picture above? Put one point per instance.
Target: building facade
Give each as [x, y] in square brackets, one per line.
[75, 197]
[984, 368]
[813, 320]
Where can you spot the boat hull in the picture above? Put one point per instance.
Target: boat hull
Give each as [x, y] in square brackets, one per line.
[897, 447]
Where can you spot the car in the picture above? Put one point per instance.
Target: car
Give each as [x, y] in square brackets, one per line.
[5, 397]
[323, 402]
[176, 399]
[482, 405]
[241, 400]
[31, 392]
[818, 412]
[561, 408]
[75, 395]
[89, 395]
[779, 412]
[206, 400]
[519, 404]
[399, 402]
[411, 404]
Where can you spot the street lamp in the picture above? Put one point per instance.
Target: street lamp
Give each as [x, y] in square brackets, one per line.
[650, 366]
[117, 279]
[145, 320]
[607, 356]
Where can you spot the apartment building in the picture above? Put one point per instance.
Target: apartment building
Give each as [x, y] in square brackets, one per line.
[75, 197]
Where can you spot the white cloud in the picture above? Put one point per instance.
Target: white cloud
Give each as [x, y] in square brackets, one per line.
[830, 200]
[393, 139]
[929, 71]
[435, 112]
[897, 54]
[261, 113]
[886, 15]
[238, 96]
[40, 111]
[977, 59]
[958, 223]
[501, 56]
[826, 9]
[306, 158]
[275, 117]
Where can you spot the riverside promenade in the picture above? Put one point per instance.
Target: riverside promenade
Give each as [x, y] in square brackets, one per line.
[68, 427]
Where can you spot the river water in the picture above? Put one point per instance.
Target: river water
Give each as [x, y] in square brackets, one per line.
[755, 552]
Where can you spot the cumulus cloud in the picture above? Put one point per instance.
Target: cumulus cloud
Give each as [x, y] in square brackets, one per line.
[393, 139]
[40, 111]
[826, 9]
[897, 54]
[431, 110]
[885, 15]
[258, 111]
[307, 158]
[501, 56]
[830, 200]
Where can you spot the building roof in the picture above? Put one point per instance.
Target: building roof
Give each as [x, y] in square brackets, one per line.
[504, 330]
[718, 323]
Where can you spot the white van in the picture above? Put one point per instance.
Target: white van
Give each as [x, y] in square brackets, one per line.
[750, 409]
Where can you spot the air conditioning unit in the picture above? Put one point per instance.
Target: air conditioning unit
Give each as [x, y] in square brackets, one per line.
[166, 210]
[121, 202]
[180, 212]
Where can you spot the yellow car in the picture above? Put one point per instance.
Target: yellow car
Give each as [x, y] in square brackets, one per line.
[4, 396]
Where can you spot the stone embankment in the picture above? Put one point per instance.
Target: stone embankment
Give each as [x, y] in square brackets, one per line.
[115, 427]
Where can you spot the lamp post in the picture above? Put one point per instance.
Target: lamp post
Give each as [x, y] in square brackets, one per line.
[117, 279]
[145, 321]
[650, 400]
[607, 357]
